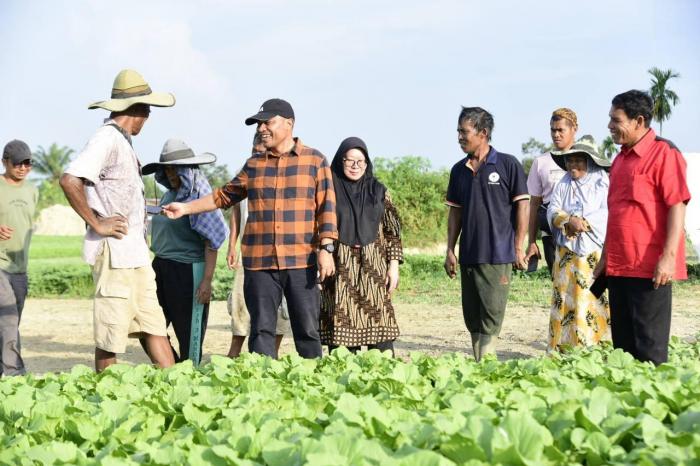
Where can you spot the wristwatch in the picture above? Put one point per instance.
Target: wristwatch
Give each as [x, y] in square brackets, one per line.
[329, 248]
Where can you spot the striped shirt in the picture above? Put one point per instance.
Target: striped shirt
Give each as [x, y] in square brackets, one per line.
[291, 207]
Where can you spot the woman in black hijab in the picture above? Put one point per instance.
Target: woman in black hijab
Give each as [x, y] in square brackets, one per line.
[356, 307]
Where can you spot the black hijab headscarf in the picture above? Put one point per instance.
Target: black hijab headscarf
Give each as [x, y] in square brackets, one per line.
[359, 204]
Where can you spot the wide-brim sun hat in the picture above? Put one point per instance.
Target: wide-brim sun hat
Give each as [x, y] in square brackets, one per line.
[129, 89]
[176, 153]
[586, 146]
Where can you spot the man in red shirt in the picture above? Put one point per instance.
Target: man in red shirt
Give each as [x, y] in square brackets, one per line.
[646, 214]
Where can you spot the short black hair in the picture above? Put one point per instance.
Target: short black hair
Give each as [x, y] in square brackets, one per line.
[133, 110]
[635, 103]
[479, 118]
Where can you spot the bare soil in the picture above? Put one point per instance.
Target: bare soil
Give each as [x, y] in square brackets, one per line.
[57, 334]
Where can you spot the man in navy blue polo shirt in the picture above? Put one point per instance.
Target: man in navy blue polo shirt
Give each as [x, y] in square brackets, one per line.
[488, 200]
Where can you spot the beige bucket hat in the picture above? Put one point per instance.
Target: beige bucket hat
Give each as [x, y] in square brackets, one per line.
[129, 89]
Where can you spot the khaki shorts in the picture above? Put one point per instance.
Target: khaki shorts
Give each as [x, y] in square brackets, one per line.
[125, 305]
[240, 318]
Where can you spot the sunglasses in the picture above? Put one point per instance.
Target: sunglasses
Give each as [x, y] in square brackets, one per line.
[26, 163]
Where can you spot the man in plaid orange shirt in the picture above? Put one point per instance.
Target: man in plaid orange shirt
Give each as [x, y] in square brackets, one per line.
[287, 246]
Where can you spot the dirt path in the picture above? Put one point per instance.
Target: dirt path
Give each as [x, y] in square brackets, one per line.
[57, 334]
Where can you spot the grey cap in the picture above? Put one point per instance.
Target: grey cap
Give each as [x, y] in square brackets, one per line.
[16, 151]
[176, 152]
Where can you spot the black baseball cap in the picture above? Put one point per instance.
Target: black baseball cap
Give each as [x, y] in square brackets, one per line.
[269, 109]
[16, 151]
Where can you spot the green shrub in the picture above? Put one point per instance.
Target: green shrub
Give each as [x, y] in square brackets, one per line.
[222, 282]
[418, 192]
[56, 270]
[73, 281]
[50, 193]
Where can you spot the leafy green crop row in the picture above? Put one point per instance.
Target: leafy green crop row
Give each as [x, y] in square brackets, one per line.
[592, 407]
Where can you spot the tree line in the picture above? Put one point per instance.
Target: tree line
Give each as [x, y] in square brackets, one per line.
[664, 100]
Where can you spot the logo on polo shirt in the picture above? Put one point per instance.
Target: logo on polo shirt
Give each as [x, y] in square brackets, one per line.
[493, 178]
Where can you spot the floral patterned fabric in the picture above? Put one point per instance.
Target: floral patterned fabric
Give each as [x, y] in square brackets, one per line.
[577, 318]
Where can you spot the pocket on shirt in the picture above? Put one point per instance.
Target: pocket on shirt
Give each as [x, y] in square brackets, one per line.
[642, 189]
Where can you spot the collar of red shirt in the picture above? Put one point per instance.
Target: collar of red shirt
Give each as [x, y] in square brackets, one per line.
[296, 150]
[642, 147]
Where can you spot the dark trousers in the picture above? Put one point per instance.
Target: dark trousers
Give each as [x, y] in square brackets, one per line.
[484, 296]
[381, 346]
[175, 290]
[640, 317]
[263, 291]
[548, 246]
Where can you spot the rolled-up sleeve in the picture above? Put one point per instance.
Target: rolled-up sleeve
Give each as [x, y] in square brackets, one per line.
[232, 192]
[326, 219]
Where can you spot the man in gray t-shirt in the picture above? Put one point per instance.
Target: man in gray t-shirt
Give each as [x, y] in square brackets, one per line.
[18, 199]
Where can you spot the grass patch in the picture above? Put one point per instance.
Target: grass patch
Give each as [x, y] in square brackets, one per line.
[424, 281]
[55, 247]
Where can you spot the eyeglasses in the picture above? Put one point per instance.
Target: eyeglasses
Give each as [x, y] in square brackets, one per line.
[26, 163]
[352, 163]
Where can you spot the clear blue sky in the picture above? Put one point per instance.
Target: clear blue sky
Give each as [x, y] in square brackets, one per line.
[393, 73]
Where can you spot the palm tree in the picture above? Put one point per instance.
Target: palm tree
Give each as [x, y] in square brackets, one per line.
[608, 148]
[664, 98]
[51, 162]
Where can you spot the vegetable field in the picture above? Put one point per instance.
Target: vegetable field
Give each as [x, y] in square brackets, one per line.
[589, 407]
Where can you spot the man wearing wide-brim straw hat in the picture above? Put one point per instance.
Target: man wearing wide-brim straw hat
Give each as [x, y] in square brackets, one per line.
[130, 89]
[103, 184]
